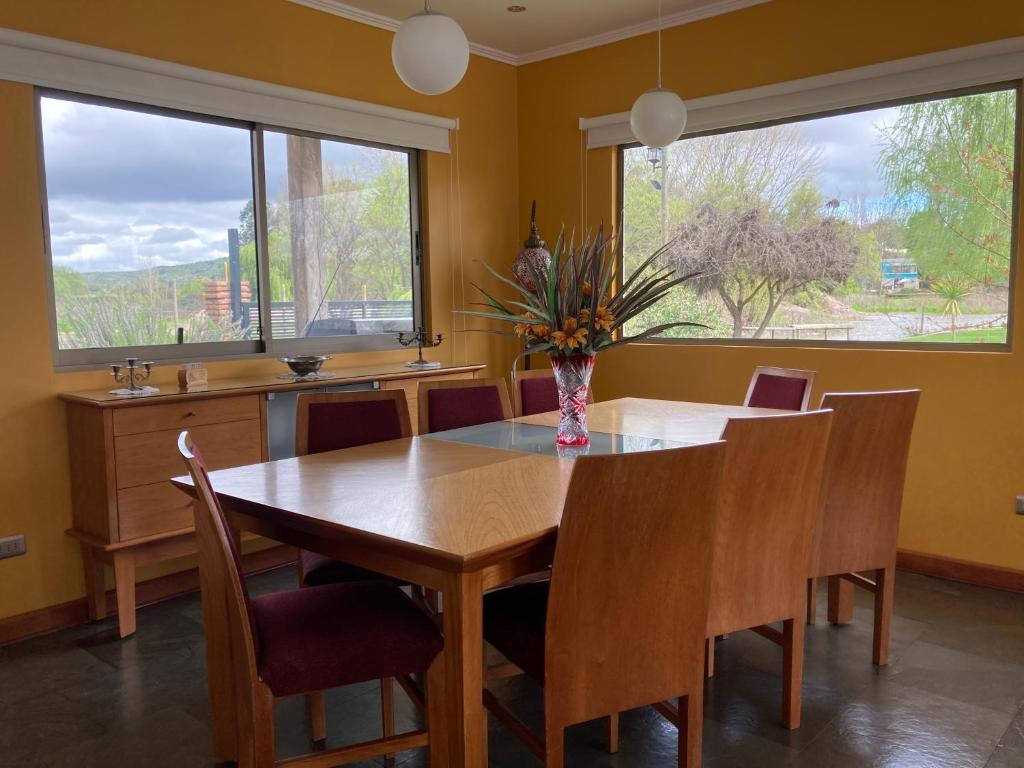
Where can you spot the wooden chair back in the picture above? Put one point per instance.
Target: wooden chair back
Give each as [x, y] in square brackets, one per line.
[865, 470]
[629, 586]
[520, 407]
[224, 589]
[423, 399]
[349, 419]
[788, 389]
[767, 521]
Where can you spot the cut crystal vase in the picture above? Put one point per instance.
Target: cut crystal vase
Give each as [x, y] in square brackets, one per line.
[572, 376]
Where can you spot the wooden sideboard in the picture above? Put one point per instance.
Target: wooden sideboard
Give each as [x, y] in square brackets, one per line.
[123, 452]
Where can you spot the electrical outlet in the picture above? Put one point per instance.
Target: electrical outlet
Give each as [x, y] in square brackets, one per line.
[1020, 505]
[12, 546]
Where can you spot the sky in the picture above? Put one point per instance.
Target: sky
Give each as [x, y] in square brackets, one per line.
[129, 190]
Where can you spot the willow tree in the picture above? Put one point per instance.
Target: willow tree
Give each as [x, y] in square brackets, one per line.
[949, 165]
[754, 263]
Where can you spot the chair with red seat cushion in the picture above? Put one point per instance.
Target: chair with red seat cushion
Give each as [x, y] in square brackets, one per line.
[606, 639]
[785, 389]
[333, 421]
[445, 405]
[306, 640]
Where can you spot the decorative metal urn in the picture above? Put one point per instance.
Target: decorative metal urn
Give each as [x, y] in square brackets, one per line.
[534, 254]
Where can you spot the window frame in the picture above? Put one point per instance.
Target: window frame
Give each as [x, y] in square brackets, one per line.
[1016, 85]
[264, 346]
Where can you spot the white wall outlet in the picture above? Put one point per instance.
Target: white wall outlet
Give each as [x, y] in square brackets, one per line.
[1020, 505]
[12, 546]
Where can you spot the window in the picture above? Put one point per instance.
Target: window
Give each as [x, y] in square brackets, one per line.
[177, 236]
[893, 224]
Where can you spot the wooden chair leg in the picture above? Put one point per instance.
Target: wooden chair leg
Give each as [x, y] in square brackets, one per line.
[612, 733]
[387, 709]
[709, 657]
[885, 579]
[554, 745]
[317, 716]
[437, 751]
[691, 721]
[263, 727]
[792, 671]
[840, 600]
[812, 601]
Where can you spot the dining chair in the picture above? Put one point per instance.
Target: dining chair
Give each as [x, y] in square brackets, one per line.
[445, 405]
[769, 513]
[621, 624]
[865, 470]
[786, 389]
[535, 391]
[332, 421]
[299, 641]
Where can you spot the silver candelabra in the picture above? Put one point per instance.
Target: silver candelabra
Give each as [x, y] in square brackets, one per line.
[421, 339]
[130, 374]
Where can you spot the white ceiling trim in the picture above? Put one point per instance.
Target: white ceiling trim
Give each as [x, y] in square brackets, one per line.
[54, 63]
[716, 8]
[975, 65]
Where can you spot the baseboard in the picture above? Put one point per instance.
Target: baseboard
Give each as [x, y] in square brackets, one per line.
[978, 574]
[75, 612]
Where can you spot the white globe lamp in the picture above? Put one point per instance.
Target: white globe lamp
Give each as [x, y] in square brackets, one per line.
[658, 117]
[430, 52]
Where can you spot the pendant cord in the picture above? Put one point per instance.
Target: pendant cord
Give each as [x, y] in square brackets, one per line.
[659, 43]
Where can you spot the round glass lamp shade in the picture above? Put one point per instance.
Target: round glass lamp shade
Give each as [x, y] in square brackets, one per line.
[430, 53]
[658, 117]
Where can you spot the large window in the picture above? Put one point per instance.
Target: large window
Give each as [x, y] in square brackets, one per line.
[893, 224]
[177, 236]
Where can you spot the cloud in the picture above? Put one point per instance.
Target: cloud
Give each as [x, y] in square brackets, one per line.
[171, 235]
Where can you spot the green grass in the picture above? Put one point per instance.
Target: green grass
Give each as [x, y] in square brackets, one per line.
[975, 336]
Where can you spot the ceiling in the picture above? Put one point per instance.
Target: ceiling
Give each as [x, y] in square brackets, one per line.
[546, 29]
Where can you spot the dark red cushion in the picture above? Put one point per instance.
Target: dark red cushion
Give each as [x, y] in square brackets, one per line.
[463, 407]
[538, 395]
[325, 637]
[514, 623]
[333, 426]
[785, 393]
[319, 569]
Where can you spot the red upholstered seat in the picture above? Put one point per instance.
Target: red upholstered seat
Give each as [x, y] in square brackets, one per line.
[319, 569]
[782, 392]
[538, 395]
[333, 426]
[463, 407]
[514, 623]
[324, 637]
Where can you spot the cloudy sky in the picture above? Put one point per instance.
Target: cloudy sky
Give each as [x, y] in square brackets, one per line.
[129, 190]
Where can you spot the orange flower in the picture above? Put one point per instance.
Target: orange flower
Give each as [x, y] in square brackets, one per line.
[571, 335]
[603, 319]
[588, 289]
[522, 329]
[584, 316]
[540, 331]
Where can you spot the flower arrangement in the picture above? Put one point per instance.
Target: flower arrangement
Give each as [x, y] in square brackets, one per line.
[576, 307]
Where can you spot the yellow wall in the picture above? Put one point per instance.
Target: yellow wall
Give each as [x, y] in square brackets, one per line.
[965, 466]
[270, 40]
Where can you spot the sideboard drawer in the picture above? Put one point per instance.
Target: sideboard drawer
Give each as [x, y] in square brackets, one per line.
[153, 457]
[185, 414]
[148, 509]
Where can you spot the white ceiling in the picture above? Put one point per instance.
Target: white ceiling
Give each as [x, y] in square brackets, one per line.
[546, 29]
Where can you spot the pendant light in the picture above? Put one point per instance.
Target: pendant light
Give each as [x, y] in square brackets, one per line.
[430, 52]
[658, 117]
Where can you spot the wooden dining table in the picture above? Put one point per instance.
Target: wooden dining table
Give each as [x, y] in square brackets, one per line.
[460, 512]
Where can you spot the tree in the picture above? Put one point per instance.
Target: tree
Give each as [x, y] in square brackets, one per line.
[950, 165]
[953, 290]
[754, 263]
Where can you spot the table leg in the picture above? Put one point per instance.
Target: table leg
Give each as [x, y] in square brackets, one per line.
[464, 677]
[95, 583]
